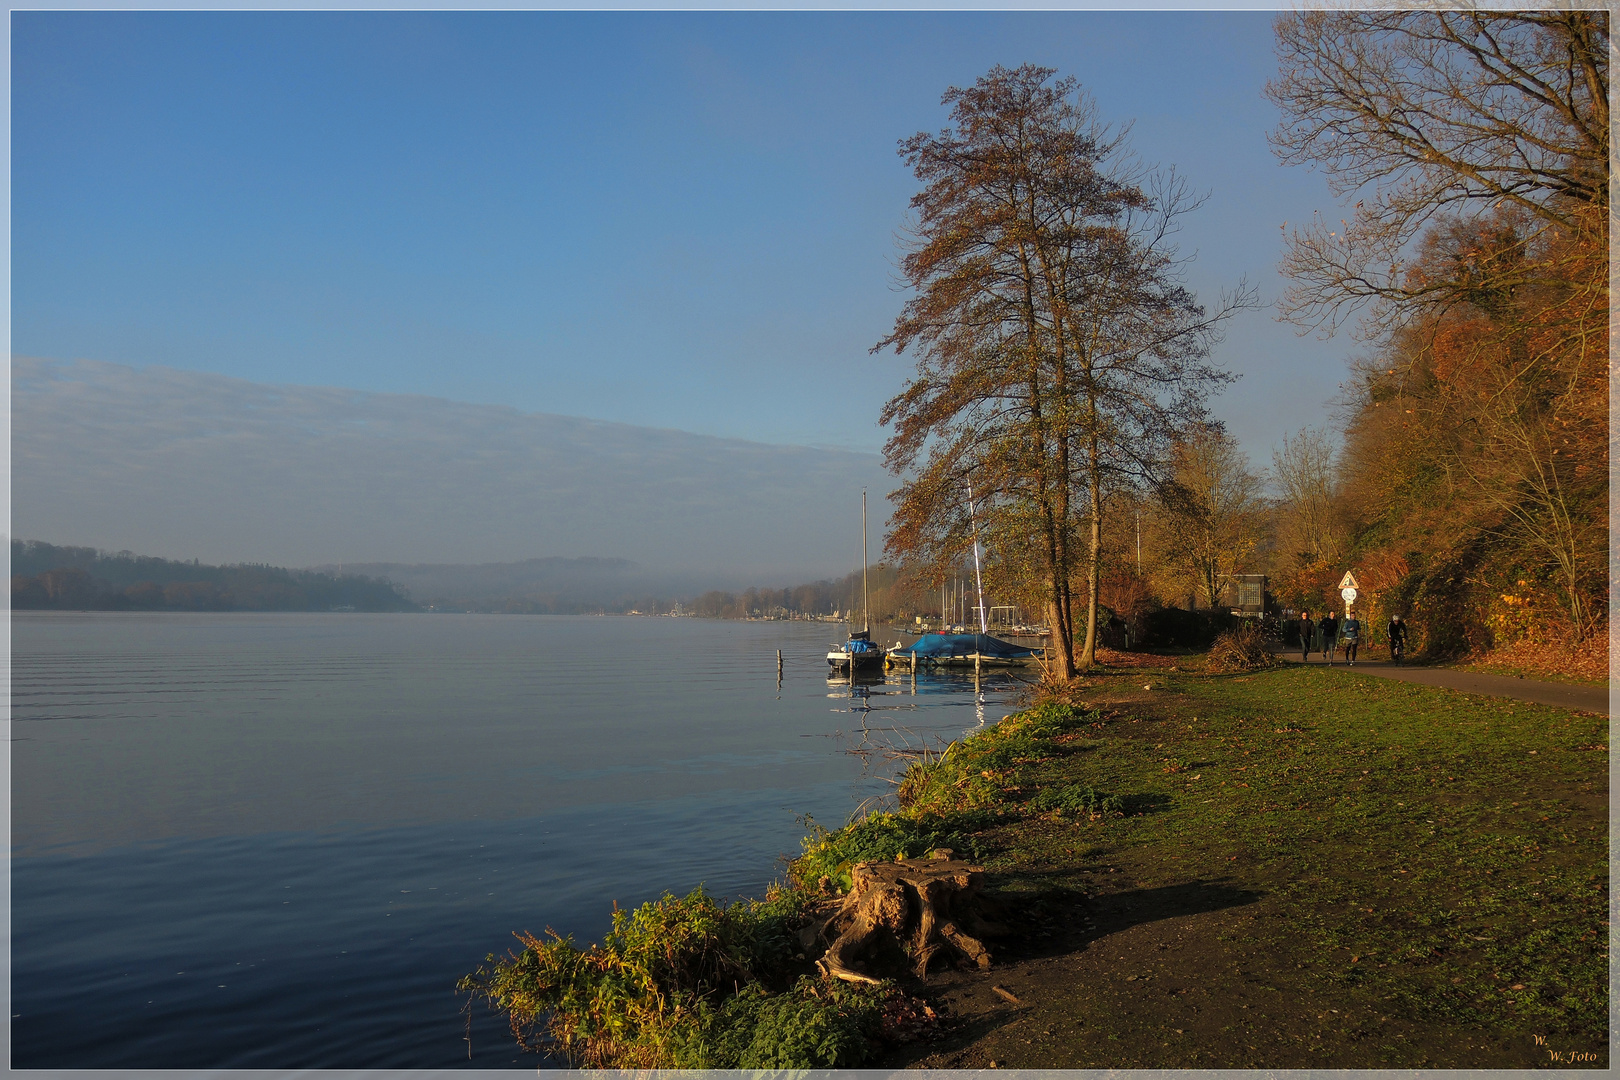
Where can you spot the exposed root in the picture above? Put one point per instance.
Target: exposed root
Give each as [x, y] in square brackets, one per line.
[921, 905]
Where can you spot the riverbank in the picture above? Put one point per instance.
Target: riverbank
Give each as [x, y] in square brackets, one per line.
[1292, 868]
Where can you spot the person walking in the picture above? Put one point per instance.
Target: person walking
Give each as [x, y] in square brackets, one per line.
[1350, 634]
[1329, 626]
[1397, 639]
[1306, 629]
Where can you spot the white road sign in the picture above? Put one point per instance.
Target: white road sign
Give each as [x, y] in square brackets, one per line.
[1349, 595]
[1349, 580]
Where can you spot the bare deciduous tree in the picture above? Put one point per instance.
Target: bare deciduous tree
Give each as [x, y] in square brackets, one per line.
[1421, 113]
[1013, 195]
[1303, 470]
[1058, 348]
[1139, 370]
[1476, 146]
[1507, 389]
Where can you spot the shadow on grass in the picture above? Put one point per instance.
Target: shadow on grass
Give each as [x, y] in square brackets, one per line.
[1133, 907]
[1152, 803]
[1049, 922]
[1058, 920]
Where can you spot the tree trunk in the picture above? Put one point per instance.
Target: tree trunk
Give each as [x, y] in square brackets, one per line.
[1088, 658]
[1058, 652]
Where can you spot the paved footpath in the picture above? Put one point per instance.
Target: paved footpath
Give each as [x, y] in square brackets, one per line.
[1592, 699]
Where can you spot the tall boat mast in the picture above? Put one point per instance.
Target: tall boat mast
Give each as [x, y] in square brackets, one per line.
[866, 608]
[984, 627]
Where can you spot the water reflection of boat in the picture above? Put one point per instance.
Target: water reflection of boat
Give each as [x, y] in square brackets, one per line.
[895, 713]
[961, 650]
[863, 676]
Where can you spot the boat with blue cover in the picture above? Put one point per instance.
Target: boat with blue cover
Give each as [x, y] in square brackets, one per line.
[860, 651]
[962, 650]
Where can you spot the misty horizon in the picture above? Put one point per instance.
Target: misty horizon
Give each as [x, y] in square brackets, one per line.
[194, 465]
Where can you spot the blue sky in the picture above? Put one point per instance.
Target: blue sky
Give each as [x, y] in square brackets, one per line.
[684, 220]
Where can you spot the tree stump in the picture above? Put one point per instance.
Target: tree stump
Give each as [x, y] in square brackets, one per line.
[922, 905]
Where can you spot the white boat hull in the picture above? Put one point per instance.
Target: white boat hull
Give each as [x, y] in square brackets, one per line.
[839, 660]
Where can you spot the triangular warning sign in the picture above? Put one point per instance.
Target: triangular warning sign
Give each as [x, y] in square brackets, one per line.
[1349, 580]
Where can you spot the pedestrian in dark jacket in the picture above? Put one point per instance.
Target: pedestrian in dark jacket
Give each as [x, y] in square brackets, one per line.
[1306, 629]
[1330, 636]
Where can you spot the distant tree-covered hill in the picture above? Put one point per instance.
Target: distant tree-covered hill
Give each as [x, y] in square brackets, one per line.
[889, 599]
[542, 586]
[49, 576]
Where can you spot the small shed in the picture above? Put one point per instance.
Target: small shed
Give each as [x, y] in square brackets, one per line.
[1251, 594]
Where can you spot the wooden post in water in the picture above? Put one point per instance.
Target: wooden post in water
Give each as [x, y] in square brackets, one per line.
[778, 663]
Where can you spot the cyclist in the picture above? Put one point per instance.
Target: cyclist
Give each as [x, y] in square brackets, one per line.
[1397, 639]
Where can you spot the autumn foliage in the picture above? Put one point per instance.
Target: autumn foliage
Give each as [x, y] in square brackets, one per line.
[1475, 147]
[1476, 459]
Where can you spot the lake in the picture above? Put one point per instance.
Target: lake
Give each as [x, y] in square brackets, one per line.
[277, 840]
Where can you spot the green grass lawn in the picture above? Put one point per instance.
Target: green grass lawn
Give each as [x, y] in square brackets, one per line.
[1439, 856]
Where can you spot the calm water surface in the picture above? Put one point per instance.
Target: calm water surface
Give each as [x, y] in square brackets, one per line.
[277, 841]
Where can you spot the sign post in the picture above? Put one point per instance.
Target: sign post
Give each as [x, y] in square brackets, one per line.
[1347, 588]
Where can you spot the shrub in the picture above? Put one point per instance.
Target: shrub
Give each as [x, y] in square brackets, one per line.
[965, 776]
[880, 837]
[810, 1026]
[1078, 800]
[627, 1001]
[1241, 649]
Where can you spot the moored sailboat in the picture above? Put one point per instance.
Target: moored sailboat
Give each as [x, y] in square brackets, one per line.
[860, 651]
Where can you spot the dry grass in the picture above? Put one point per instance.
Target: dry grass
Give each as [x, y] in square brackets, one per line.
[1586, 663]
[1240, 650]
